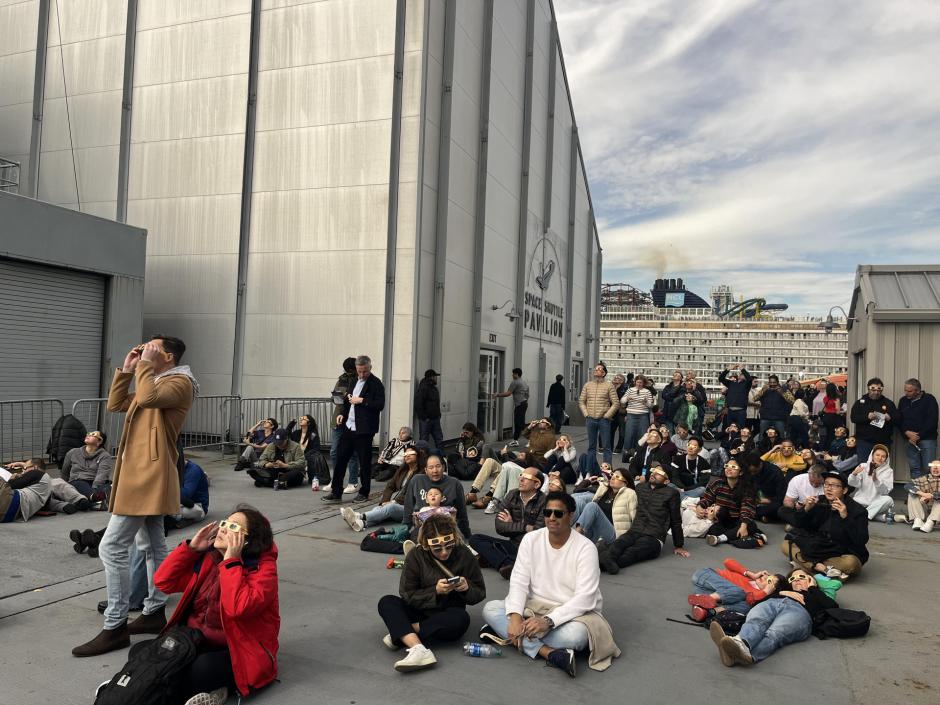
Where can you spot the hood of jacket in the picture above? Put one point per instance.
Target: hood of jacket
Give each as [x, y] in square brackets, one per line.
[183, 370]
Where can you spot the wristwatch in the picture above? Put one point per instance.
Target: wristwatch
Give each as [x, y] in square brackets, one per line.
[551, 623]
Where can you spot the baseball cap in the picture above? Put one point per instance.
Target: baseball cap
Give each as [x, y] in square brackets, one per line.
[280, 435]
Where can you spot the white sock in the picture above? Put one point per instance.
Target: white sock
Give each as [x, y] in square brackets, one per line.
[722, 538]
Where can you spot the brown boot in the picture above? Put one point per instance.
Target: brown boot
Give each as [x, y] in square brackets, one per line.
[471, 498]
[152, 623]
[107, 640]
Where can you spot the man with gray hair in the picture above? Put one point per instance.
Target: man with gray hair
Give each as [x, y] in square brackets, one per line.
[361, 410]
[918, 423]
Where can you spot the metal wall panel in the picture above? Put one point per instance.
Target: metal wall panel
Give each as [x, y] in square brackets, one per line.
[18, 24]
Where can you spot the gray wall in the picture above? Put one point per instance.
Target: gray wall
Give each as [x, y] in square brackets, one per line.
[38, 232]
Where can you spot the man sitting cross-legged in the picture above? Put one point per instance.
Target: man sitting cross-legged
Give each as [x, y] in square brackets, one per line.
[521, 514]
[554, 603]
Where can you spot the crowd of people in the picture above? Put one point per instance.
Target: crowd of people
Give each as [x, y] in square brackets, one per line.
[782, 453]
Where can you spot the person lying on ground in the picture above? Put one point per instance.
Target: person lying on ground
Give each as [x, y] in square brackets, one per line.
[554, 604]
[282, 462]
[733, 588]
[24, 490]
[391, 505]
[88, 469]
[439, 580]
[520, 514]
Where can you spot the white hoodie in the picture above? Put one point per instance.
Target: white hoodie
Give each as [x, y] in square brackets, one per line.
[868, 488]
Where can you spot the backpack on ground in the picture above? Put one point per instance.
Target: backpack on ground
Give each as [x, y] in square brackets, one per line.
[731, 622]
[839, 623]
[147, 677]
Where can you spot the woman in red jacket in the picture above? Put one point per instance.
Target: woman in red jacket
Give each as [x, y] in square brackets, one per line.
[228, 576]
[733, 587]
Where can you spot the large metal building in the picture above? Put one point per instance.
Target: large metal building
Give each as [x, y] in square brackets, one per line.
[398, 178]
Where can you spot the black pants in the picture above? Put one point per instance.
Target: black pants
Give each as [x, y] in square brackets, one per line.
[633, 547]
[557, 463]
[518, 419]
[726, 525]
[210, 671]
[360, 445]
[495, 551]
[449, 623]
[769, 511]
[264, 477]
[316, 466]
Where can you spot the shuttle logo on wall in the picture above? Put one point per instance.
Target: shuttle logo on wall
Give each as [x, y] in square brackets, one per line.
[544, 312]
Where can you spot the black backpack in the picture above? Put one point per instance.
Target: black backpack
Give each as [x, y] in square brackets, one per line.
[68, 432]
[146, 678]
[731, 622]
[839, 623]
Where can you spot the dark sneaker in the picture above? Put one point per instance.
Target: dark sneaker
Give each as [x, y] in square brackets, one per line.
[506, 570]
[562, 659]
[75, 536]
[83, 505]
[331, 499]
[106, 640]
[70, 509]
[487, 633]
[607, 563]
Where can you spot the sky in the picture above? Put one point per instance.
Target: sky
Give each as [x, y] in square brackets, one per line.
[772, 146]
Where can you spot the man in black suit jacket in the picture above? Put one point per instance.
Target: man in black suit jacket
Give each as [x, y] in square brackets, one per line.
[360, 418]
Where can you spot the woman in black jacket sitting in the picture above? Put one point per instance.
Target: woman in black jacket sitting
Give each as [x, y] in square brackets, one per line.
[308, 436]
[440, 578]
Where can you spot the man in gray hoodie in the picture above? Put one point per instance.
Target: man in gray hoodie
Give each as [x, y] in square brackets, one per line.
[449, 486]
[88, 468]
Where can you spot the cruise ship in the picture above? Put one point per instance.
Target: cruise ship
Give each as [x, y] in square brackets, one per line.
[670, 328]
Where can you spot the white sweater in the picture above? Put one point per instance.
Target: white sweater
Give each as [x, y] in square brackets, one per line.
[568, 455]
[868, 488]
[568, 576]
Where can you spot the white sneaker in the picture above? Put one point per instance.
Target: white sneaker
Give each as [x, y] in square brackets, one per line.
[350, 488]
[512, 444]
[389, 644]
[491, 507]
[418, 657]
[352, 518]
[216, 697]
[407, 546]
[927, 527]
[918, 525]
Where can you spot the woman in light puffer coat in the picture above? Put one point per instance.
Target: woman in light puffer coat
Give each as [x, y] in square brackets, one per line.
[612, 510]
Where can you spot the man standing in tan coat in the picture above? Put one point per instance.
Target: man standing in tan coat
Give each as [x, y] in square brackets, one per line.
[599, 404]
[145, 484]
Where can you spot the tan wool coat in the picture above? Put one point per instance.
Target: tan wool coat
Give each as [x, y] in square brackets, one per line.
[145, 481]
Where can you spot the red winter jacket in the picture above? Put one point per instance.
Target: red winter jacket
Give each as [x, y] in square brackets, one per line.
[250, 616]
[734, 572]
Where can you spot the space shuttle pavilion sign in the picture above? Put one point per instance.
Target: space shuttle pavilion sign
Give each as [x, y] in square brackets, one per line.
[543, 308]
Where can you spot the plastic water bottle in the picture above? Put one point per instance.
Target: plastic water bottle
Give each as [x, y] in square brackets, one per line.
[472, 648]
[277, 484]
[889, 516]
[315, 485]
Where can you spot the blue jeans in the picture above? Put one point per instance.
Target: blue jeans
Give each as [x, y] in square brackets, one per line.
[731, 596]
[602, 426]
[618, 427]
[636, 425]
[918, 460]
[114, 550]
[581, 499]
[392, 511]
[139, 589]
[353, 465]
[772, 624]
[556, 412]
[595, 524]
[430, 429]
[781, 427]
[570, 635]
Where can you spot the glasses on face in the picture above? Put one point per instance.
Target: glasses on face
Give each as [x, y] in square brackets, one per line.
[875, 388]
[232, 526]
[441, 543]
[832, 485]
[799, 576]
[557, 513]
[96, 434]
[530, 478]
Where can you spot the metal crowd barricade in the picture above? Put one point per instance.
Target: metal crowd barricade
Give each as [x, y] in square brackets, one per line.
[320, 409]
[209, 423]
[25, 427]
[251, 410]
[95, 415]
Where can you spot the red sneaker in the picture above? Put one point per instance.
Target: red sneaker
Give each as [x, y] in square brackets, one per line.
[699, 614]
[706, 601]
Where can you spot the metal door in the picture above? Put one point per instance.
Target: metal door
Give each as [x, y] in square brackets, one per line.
[489, 411]
[576, 381]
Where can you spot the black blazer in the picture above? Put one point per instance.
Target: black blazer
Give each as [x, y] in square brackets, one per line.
[368, 412]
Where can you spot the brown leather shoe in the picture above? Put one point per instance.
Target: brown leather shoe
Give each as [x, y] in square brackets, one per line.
[471, 498]
[152, 623]
[481, 503]
[107, 640]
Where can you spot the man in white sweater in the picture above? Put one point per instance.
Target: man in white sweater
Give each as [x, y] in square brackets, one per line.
[557, 566]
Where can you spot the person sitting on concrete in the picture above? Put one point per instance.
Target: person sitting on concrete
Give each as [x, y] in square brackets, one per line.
[839, 442]
[540, 434]
[24, 490]
[680, 439]
[768, 439]
[392, 455]
[434, 476]
[652, 451]
[194, 498]
[657, 511]
[735, 496]
[562, 458]
[741, 444]
[258, 437]
[308, 436]
[612, 509]
[439, 580]
[466, 463]
[227, 574]
[785, 457]
[733, 588]
[88, 469]
[923, 501]
[770, 483]
[391, 504]
[806, 484]
[521, 513]
[486, 477]
[689, 472]
[830, 532]
[282, 462]
[785, 618]
[554, 604]
[873, 482]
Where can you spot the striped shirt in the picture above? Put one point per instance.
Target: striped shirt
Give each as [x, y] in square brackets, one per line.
[637, 401]
[720, 492]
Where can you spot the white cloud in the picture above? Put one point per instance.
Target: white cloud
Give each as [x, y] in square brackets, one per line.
[801, 137]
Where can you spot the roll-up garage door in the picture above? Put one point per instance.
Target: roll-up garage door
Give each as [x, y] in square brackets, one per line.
[51, 323]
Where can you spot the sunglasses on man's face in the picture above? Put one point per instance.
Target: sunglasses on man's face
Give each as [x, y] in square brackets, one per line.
[232, 526]
[557, 513]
